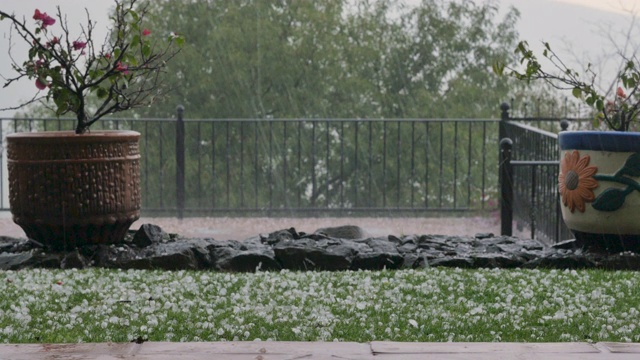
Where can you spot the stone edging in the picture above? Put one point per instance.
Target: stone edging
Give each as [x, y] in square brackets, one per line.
[152, 248]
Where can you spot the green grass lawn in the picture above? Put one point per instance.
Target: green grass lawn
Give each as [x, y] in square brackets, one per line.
[438, 304]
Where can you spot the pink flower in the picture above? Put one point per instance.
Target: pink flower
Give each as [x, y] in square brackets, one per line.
[53, 41]
[146, 32]
[79, 45]
[38, 15]
[39, 64]
[107, 56]
[46, 19]
[40, 84]
[621, 93]
[122, 68]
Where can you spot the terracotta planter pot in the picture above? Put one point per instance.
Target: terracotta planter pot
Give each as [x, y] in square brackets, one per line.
[600, 189]
[68, 190]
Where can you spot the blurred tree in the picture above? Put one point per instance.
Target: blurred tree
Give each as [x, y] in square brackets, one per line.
[335, 58]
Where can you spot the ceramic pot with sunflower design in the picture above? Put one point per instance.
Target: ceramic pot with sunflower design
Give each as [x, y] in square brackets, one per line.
[599, 185]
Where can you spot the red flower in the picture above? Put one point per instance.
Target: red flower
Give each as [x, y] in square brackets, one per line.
[40, 84]
[79, 45]
[46, 19]
[621, 93]
[146, 32]
[122, 68]
[107, 56]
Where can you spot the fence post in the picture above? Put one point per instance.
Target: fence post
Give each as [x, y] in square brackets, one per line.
[180, 162]
[506, 187]
[504, 116]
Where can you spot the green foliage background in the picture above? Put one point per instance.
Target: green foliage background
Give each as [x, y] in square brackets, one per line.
[328, 59]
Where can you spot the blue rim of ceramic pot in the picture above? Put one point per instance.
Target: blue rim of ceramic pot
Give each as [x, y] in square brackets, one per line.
[616, 141]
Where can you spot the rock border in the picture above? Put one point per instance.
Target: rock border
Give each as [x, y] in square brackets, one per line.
[152, 248]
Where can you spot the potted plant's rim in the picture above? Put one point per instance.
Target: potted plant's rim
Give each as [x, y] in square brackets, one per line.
[92, 136]
[615, 141]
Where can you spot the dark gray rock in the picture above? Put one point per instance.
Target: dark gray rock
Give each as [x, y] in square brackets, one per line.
[621, 261]
[151, 248]
[74, 260]
[415, 261]
[377, 261]
[281, 235]
[492, 261]
[233, 260]
[16, 261]
[452, 262]
[558, 260]
[297, 256]
[484, 235]
[350, 232]
[149, 234]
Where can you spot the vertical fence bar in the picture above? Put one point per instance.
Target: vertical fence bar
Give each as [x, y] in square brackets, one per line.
[242, 164]
[398, 149]
[285, 171]
[413, 161]
[426, 165]
[534, 168]
[384, 164]
[356, 173]
[199, 154]
[314, 188]
[180, 162]
[228, 159]
[342, 179]
[506, 187]
[327, 166]
[298, 188]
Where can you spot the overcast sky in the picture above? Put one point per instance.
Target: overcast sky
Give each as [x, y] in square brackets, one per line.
[575, 27]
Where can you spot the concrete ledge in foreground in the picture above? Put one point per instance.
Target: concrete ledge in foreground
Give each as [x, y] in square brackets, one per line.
[320, 350]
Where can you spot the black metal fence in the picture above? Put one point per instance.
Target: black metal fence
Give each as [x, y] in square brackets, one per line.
[219, 167]
[529, 171]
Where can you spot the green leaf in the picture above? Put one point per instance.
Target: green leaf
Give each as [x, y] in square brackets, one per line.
[102, 93]
[135, 40]
[146, 50]
[117, 52]
[577, 92]
[180, 40]
[611, 199]
[631, 167]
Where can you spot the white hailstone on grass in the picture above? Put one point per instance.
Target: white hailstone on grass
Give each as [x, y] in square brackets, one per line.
[413, 323]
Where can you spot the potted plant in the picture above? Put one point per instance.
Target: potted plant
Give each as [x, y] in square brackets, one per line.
[71, 188]
[599, 170]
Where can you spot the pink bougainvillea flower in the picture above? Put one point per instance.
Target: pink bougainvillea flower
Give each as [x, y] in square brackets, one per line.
[146, 32]
[79, 45]
[40, 84]
[122, 68]
[53, 41]
[107, 56]
[621, 93]
[38, 15]
[46, 19]
[39, 64]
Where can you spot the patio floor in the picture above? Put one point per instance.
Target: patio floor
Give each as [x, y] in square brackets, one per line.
[321, 350]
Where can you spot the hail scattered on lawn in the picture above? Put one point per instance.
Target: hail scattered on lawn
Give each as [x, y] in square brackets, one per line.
[98, 305]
